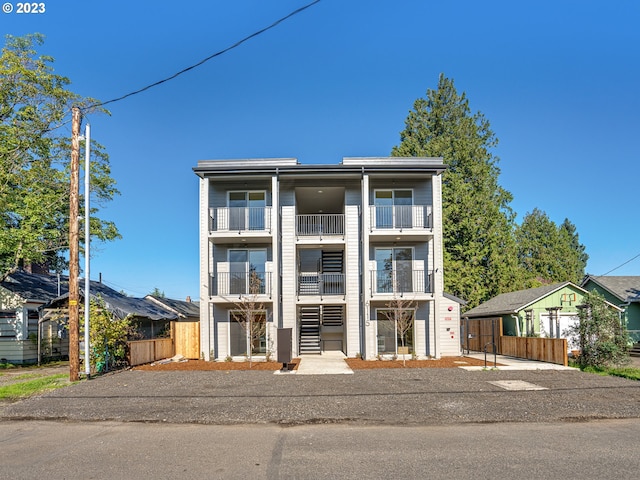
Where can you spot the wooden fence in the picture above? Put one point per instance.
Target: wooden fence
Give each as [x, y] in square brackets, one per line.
[478, 333]
[147, 351]
[184, 340]
[551, 350]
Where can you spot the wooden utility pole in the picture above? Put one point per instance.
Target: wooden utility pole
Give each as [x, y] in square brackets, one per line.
[74, 247]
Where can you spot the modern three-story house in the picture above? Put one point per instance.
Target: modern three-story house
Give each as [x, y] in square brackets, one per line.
[329, 251]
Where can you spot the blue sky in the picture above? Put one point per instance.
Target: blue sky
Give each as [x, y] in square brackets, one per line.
[558, 81]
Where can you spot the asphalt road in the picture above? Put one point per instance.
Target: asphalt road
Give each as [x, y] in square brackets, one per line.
[107, 450]
[372, 397]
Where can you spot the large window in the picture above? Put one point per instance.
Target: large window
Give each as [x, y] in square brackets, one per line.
[393, 208]
[394, 270]
[395, 330]
[247, 210]
[247, 271]
[248, 328]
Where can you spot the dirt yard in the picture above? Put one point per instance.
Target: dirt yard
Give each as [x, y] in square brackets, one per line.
[354, 363]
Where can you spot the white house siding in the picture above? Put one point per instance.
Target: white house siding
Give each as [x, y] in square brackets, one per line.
[449, 333]
[289, 280]
[206, 320]
[352, 265]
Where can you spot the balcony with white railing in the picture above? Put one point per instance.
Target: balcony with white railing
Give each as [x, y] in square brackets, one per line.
[406, 219]
[248, 221]
[320, 225]
[400, 283]
[321, 284]
[237, 285]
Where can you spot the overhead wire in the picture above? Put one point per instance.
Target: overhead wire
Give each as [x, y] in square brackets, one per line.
[201, 62]
[619, 266]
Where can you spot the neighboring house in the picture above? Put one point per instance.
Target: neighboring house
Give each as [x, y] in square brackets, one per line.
[22, 295]
[150, 319]
[186, 310]
[323, 250]
[34, 306]
[623, 292]
[547, 311]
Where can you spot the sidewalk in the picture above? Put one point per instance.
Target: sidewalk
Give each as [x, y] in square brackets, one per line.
[328, 363]
[512, 363]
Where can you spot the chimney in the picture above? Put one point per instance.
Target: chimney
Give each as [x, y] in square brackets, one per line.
[188, 299]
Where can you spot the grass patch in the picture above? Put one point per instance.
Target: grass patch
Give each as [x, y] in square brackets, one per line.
[32, 387]
[4, 366]
[624, 372]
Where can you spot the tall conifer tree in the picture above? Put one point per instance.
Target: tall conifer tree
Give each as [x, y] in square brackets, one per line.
[479, 247]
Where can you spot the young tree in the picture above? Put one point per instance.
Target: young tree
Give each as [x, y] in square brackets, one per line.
[603, 339]
[34, 157]
[251, 314]
[400, 314]
[479, 248]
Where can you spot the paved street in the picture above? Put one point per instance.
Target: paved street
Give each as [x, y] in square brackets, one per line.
[53, 450]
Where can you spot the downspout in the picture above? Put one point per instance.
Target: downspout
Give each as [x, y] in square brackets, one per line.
[516, 319]
[361, 264]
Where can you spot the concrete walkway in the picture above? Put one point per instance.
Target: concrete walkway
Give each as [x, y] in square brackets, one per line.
[512, 363]
[328, 363]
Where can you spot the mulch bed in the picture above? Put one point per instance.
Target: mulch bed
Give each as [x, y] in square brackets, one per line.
[354, 363]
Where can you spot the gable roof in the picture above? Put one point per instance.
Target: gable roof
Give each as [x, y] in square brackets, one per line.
[513, 302]
[34, 287]
[627, 289]
[182, 308]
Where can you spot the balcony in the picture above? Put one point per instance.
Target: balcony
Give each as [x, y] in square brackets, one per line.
[320, 225]
[321, 284]
[241, 284]
[401, 282]
[240, 220]
[394, 219]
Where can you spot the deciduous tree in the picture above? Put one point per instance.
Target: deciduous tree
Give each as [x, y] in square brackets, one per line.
[35, 103]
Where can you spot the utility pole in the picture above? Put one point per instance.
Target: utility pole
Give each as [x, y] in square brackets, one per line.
[74, 354]
[87, 243]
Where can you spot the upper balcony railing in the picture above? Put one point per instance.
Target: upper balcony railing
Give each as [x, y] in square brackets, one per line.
[401, 217]
[401, 282]
[321, 284]
[320, 225]
[240, 219]
[240, 284]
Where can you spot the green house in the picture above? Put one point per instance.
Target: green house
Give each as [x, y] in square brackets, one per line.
[623, 292]
[546, 311]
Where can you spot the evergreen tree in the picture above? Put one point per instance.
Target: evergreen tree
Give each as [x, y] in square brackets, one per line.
[549, 253]
[480, 257]
[34, 158]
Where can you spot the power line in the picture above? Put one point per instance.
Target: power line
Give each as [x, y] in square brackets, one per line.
[217, 54]
[621, 265]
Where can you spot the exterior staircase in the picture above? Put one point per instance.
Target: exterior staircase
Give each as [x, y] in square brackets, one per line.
[332, 315]
[310, 330]
[635, 350]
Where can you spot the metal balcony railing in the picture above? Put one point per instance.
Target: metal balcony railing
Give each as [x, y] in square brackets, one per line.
[321, 284]
[320, 224]
[240, 219]
[401, 282]
[240, 284]
[401, 217]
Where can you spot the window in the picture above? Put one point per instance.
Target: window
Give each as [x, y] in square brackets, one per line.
[395, 330]
[247, 271]
[394, 270]
[247, 210]
[393, 208]
[248, 328]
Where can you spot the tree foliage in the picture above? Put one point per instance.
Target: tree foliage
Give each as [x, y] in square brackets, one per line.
[485, 252]
[479, 248]
[602, 338]
[549, 253]
[35, 104]
[107, 336]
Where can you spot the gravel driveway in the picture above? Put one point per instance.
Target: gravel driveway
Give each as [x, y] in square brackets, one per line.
[398, 397]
